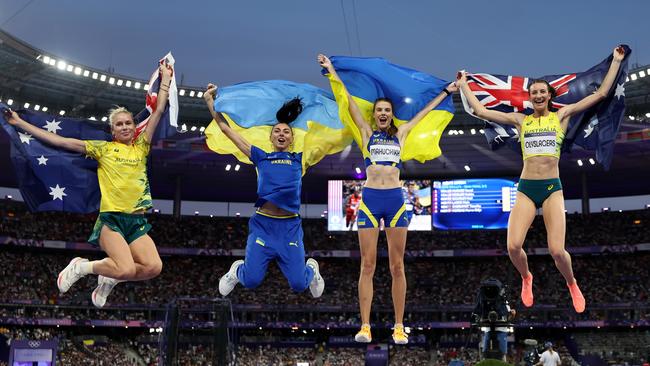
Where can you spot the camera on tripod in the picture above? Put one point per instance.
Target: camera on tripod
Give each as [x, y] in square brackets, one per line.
[493, 317]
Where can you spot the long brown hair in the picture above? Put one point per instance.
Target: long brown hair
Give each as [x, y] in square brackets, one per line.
[392, 129]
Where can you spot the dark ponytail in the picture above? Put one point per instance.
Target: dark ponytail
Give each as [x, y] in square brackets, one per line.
[392, 129]
[551, 90]
[289, 111]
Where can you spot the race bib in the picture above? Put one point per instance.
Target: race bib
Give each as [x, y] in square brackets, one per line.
[540, 143]
[390, 153]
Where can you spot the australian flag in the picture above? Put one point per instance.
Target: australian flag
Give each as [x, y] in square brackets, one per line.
[53, 179]
[168, 124]
[594, 129]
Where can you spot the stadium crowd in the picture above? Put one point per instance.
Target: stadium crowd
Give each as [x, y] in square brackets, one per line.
[30, 276]
[608, 228]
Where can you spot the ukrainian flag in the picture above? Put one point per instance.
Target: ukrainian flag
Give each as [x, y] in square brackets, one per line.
[367, 79]
[250, 108]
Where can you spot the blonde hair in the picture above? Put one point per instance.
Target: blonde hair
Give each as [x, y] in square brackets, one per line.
[114, 112]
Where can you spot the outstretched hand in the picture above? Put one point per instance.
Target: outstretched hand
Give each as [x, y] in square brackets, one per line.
[210, 93]
[166, 70]
[10, 116]
[619, 53]
[324, 61]
[461, 77]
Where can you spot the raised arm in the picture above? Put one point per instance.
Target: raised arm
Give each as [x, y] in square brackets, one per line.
[404, 129]
[479, 109]
[236, 138]
[163, 95]
[567, 111]
[355, 113]
[46, 136]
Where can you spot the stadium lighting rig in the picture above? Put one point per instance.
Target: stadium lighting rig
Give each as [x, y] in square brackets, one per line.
[81, 71]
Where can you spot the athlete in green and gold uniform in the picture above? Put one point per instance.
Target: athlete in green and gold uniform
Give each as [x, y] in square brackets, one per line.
[121, 228]
[541, 135]
[122, 175]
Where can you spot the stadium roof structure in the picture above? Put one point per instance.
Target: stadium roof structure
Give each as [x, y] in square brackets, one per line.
[35, 79]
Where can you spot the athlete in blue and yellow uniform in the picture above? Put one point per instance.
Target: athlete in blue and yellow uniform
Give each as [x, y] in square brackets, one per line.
[541, 135]
[121, 228]
[275, 230]
[411, 201]
[382, 200]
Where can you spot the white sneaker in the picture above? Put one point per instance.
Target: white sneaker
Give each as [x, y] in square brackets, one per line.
[70, 274]
[228, 281]
[317, 284]
[104, 287]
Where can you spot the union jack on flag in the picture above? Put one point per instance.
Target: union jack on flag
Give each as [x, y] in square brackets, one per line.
[169, 120]
[53, 179]
[593, 129]
[510, 93]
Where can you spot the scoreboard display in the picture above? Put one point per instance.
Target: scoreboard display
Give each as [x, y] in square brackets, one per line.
[472, 203]
[33, 352]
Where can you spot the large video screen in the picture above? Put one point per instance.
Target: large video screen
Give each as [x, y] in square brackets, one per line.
[344, 197]
[25, 352]
[472, 203]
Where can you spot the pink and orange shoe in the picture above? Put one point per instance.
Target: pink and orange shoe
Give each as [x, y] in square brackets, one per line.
[577, 298]
[527, 290]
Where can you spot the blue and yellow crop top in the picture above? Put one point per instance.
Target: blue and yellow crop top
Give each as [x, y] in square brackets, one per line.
[383, 149]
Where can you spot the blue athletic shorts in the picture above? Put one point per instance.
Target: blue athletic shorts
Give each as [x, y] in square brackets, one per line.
[377, 204]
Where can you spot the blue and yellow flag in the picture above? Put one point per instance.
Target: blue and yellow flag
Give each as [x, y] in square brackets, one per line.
[367, 79]
[250, 109]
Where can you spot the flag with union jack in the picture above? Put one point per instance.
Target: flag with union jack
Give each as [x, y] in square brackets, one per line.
[53, 179]
[168, 124]
[594, 129]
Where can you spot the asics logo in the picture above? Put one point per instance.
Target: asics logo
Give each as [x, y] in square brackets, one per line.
[293, 244]
[550, 187]
[260, 242]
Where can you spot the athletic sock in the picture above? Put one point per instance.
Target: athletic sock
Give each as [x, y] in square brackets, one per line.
[85, 267]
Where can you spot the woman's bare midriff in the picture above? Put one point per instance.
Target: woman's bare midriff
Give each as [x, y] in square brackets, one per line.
[541, 167]
[382, 177]
[270, 209]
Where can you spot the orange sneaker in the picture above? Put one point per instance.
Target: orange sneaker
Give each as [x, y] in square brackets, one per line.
[576, 297]
[527, 290]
